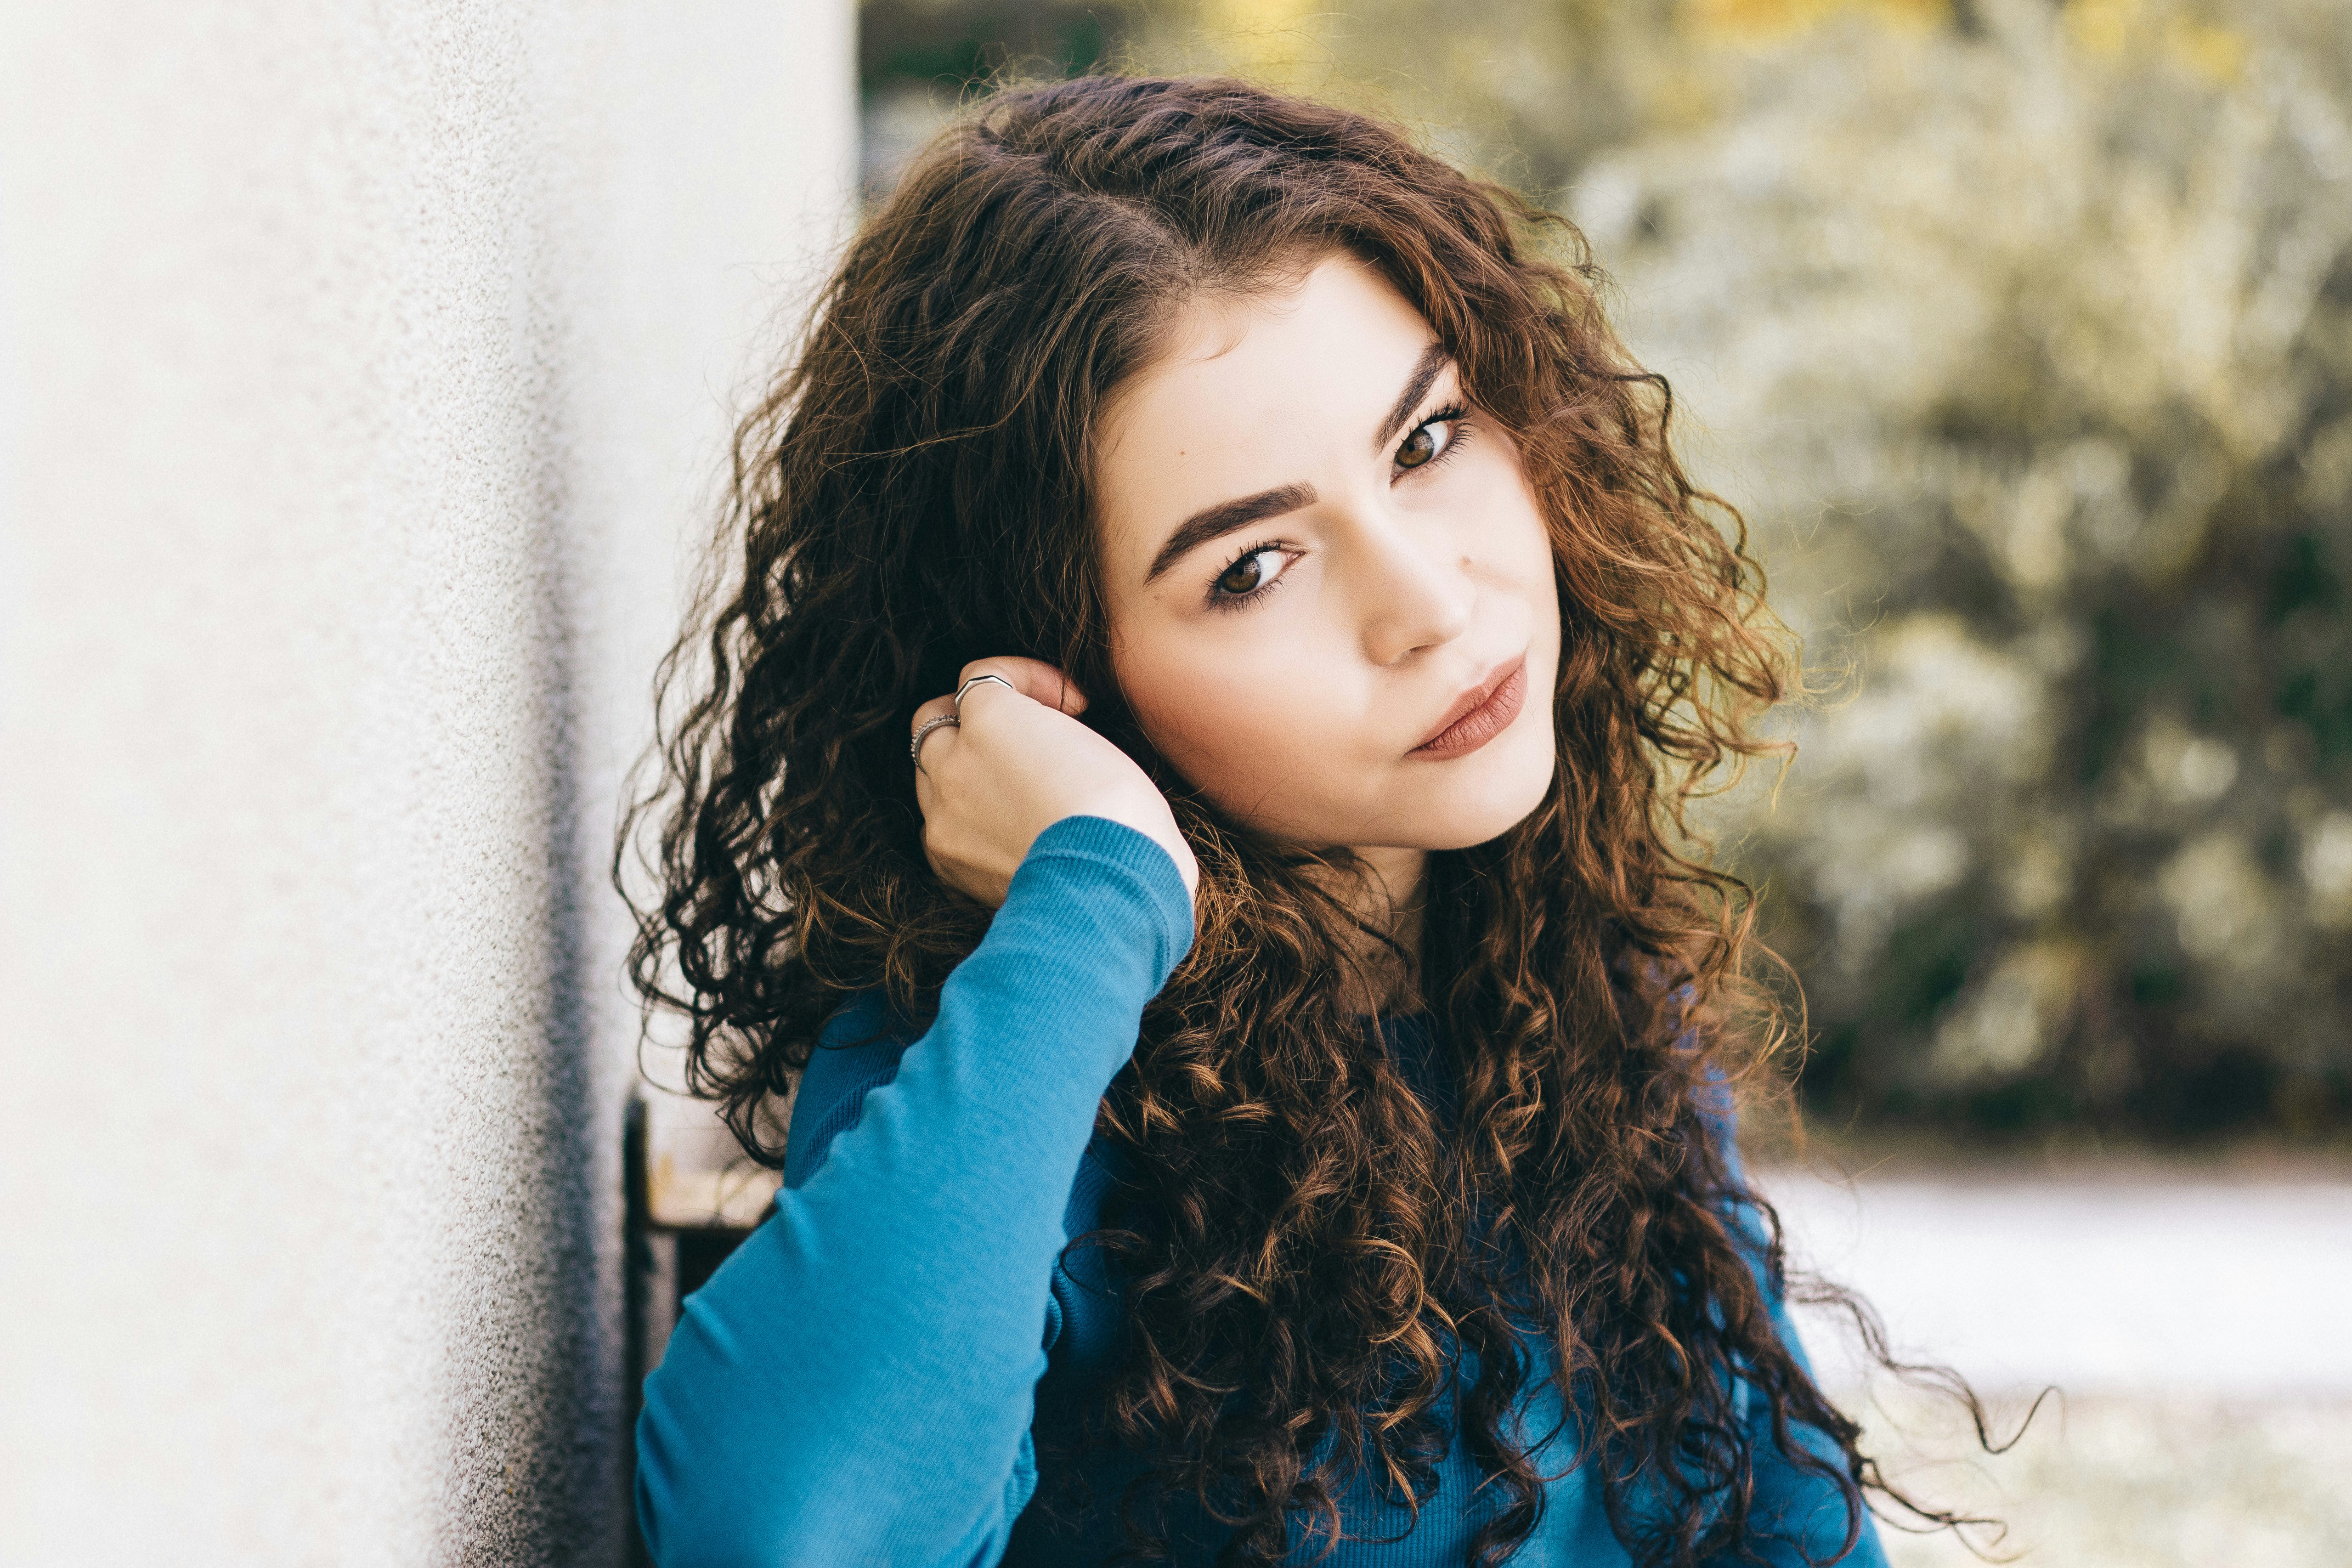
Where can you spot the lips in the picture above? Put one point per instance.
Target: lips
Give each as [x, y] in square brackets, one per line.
[1485, 712]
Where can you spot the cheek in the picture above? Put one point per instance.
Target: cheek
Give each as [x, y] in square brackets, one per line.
[1514, 517]
[1234, 727]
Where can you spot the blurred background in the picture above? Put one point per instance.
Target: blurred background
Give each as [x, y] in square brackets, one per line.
[2022, 334]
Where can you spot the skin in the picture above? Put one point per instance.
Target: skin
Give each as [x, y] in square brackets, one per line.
[1289, 669]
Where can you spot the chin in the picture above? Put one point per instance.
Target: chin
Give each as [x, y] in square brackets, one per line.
[1486, 794]
[1447, 806]
[1480, 821]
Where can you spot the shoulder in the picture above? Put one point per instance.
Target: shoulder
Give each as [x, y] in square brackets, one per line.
[856, 1053]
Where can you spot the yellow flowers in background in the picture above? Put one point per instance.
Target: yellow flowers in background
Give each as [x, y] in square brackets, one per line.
[1716, 21]
[2114, 28]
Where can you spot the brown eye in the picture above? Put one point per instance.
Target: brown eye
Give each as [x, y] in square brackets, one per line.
[1245, 575]
[1419, 447]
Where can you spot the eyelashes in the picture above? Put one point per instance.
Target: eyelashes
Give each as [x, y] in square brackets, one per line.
[1238, 594]
[1453, 414]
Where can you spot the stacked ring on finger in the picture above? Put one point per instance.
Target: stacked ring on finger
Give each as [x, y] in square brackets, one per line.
[975, 681]
[955, 720]
[915, 747]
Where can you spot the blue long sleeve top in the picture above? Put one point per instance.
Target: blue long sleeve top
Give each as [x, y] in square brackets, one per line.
[866, 1379]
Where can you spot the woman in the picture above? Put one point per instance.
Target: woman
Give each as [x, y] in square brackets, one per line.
[1257, 1065]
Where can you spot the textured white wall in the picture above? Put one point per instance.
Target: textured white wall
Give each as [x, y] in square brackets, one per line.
[361, 368]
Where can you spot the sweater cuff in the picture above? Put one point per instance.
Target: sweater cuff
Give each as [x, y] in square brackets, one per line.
[1166, 913]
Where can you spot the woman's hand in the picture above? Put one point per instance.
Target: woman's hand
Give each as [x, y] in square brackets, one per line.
[1018, 763]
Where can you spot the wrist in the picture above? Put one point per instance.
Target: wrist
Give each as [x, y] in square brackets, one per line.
[1162, 875]
[1143, 812]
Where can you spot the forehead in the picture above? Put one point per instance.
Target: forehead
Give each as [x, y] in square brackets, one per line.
[1252, 392]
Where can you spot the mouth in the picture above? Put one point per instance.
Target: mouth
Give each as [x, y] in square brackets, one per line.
[1483, 712]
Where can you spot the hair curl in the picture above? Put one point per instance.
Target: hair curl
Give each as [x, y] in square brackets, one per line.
[1309, 1253]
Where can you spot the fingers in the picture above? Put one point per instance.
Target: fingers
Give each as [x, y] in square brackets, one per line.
[937, 708]
[1032, 678]
[999, 767]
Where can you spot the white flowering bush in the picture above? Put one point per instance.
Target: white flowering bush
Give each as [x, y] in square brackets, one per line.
[2027, 347]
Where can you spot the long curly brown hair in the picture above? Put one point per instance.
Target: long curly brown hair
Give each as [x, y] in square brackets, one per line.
[1322, 1253]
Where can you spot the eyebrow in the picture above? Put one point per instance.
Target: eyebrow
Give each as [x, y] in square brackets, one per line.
[1433, 359]
[1228, 517]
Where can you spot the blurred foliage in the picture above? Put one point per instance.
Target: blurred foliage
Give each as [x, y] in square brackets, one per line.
[2022, 332]
[916, 58]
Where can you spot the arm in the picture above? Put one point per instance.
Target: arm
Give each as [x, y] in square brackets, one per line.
[856, 1384]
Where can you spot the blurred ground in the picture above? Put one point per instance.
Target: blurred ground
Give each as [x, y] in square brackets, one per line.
[2137, 1481]
[2190, 1319]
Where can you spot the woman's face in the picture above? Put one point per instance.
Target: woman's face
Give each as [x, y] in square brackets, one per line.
[1330, 588]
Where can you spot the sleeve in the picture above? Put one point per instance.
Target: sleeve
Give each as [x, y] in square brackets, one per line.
[1799, 1517]
[857, 1383]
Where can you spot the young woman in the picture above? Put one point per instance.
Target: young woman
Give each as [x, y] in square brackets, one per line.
[1256, 1062]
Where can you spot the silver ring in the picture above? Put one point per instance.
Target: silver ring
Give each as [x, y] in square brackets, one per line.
[975, 681]
[914, 746]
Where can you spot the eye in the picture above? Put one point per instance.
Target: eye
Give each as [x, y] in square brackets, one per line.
[1423, 447]
[1252, 574]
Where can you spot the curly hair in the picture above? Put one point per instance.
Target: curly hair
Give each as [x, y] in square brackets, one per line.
[1312, 1265]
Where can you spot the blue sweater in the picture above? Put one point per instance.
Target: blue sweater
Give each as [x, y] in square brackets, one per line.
[866, 1379]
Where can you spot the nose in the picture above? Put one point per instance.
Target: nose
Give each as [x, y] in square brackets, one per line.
[1408, 580]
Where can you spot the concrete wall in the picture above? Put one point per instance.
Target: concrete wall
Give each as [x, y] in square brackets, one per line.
[366, 367]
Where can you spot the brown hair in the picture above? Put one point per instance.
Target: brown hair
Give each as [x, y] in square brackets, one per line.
[914, 494]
